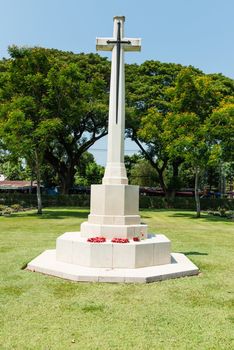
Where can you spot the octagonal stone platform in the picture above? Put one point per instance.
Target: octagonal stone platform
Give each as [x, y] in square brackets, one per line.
[73, 249]
[146, 261]
[179, 266]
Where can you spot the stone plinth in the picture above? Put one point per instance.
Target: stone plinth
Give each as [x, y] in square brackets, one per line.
[74, 249]
[114, 212]
[115, 200]
[115, 173]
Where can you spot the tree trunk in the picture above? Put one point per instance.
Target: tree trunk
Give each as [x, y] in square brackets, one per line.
[222, 182]
[197, 198]
[67, 178]
[174, 181]
[66, 170]
[38, 176]
[31, 181]
[66, 184]
[170, 194]
[164, 188]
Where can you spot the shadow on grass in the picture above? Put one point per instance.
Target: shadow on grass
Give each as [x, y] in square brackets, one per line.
[143, 212]
[203, 216]
[54, 214]
[193, 253]
[158, 210]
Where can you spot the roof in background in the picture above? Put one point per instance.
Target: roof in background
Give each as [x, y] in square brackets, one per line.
[7, 184]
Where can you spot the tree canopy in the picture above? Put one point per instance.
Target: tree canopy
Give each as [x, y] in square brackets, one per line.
[173, 116]
[56, 98]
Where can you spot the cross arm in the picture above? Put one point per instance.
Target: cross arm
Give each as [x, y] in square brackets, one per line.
[103, 45]
[135, 44]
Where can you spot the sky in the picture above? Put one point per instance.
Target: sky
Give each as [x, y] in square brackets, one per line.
[189, 32]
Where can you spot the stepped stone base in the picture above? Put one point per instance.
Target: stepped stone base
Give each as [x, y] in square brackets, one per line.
[180, 266]
[115, 173]
[114, 200]
[114, 212]
[112, 231]
[74, 249]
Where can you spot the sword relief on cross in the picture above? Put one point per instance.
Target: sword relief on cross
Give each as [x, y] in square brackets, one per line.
[118, 44]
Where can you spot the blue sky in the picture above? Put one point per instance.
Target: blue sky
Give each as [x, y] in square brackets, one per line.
[196, 32]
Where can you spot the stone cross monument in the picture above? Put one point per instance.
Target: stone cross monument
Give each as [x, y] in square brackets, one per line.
[113, 245]
[115, 172]
[114, 204]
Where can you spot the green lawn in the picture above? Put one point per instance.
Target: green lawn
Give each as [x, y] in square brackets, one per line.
[42, 312]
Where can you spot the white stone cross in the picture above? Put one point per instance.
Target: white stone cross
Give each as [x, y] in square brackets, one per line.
[115, 172]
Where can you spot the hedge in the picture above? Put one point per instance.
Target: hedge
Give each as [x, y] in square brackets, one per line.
[30, 200]
[185, 203]
[83, 200]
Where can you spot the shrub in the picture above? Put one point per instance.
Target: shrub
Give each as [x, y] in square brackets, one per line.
[230, 214]
[16, 207]
[222, 211]
[7, 211]
[2, 207]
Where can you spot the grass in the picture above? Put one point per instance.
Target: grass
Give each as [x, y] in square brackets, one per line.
[42, 312]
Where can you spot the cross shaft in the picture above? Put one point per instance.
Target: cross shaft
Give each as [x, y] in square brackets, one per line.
[115, 172]
[118, 42]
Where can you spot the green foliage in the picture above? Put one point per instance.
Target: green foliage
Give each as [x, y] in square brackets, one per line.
[131, 161]
[220, 127]
[88, 171]
[13, 167]
[7, 211]
[143, 174]
[57, 103]
[26, 200]
[83, 200]
[173, 117]
[198, 93]
[229, 170]
[2, 208]
[15, 170]
[16, 207]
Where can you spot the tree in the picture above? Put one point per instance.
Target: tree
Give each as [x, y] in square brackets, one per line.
[69, 88]
[130, 162]
[25, 135]
[14, 169]
[220, 128]
[143, 174]
[229, 176]
[186, 138]
[88, 172]
[162, 93]
[220, 131]
[149, 100]
[190, 131]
